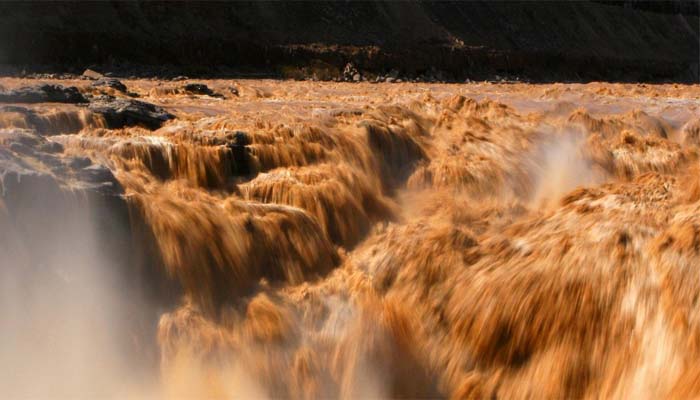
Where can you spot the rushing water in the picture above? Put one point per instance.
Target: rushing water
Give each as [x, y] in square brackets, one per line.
[368, 241]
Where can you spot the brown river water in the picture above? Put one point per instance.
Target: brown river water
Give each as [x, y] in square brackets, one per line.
[337, 240]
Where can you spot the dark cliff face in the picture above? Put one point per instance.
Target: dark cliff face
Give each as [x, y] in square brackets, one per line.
[540, 41]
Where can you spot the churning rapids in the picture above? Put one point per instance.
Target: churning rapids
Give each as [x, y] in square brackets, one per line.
[266, 239]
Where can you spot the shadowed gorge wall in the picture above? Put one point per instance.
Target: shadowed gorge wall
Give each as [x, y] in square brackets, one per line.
[573, 40]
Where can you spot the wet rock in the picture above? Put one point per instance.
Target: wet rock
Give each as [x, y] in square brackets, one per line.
[30, 163]
[99, 176]
[240, 159]
[43, 94]
[54, 162]
[241, 138]
[200, 89]
[25, 137]
[20, 148]
[18, 182]
[50, 147]
[113, 83]
[119, 113]
[197, 88]
[79, 162]
[24, 153]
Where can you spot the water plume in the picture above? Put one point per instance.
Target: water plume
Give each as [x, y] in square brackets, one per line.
[73, 325]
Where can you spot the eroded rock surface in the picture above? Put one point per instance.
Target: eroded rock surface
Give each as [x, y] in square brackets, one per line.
[118, 113]
[113, 83]
[43, 94]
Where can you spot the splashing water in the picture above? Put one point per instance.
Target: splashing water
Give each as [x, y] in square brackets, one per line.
[409, 242]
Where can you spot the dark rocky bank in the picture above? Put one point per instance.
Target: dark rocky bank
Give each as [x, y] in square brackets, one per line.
[445, 41]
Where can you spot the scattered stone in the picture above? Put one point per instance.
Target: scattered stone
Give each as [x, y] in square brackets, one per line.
[349, 73]
[90, 74]
[389, 80]
[113, 83]
[356, 78]
[51, 76]
[119, 113]
[43, 94]
[233, 90]
[180, 78]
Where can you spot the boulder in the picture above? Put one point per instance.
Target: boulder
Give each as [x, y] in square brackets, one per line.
[349, 72]
[200, 89]
[119, 113]
[43, 94]
[32, 163]
[97, 176]
[90, 74]
[113, 83]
